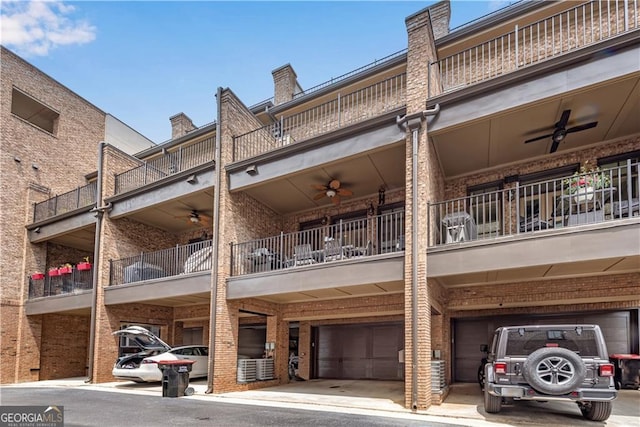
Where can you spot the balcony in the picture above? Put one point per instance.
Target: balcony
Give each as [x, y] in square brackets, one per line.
[343, 241]
[574, 29]
[175, 276]
[361, 257]
[550, 229]
[61, 293]
[74, 282]
[81, 197]
[342, 111]
[172, 162]
[546, 205]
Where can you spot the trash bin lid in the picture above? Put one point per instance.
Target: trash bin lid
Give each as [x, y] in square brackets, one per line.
[176, 362]
[624, 356]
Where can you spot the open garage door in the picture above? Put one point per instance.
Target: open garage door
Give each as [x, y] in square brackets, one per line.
[469, 334]
[365, 351]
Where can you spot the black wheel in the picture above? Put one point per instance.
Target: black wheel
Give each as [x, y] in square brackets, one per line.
[492, 404]
[553, 370]
[595, 411]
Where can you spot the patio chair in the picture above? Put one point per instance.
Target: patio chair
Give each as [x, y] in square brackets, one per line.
[333, 250]
[303, 255]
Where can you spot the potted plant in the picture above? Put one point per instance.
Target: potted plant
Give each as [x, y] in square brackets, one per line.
[53, 272]
[84, 265]
[584, 182]
[37, 276]
[65, 269]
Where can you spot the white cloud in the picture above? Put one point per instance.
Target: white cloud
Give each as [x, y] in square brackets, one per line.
[33, 28]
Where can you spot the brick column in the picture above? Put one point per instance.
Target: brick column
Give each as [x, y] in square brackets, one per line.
[421, 51]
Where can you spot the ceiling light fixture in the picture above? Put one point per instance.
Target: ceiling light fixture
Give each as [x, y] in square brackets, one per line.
[331, 192]
[194, 218]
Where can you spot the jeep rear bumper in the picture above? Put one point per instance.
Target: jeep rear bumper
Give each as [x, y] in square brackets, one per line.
[523, 392]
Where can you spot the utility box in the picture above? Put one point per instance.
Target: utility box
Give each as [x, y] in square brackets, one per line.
[175, 377]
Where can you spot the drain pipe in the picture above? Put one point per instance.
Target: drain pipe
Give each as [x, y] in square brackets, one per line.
[214, 249]
[96, 259]
[414, 245]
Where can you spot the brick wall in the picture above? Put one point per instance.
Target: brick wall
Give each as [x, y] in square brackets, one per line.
[36, 165]
[64, 346]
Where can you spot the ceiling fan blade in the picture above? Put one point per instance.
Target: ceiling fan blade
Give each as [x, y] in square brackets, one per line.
[319, 196]
[554, 146]
[334, 184]
[336, 199]
[538, 138]
[319, 187]
[582, 127]
[564, 119]
[345, 192]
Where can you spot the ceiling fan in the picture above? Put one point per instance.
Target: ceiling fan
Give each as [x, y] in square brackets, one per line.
[332, 190]
[561, 131]
[196, 218]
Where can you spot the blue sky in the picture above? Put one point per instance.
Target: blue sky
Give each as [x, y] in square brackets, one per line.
[144, 61]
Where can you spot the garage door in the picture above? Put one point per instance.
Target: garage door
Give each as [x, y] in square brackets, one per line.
[359, 351]
[469, 334]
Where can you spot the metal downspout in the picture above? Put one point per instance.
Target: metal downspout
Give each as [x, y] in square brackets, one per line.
[96, 260]
[414, 247]
[214, 250]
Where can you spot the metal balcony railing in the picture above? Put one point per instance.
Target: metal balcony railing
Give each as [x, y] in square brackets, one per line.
[171, 162]
[586, 24]
[345, 240]
[191, 258]
[589, 198]
[81, 197]
[344, 110]
[71, 283]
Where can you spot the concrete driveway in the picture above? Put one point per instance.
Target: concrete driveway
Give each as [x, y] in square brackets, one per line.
[463, 405]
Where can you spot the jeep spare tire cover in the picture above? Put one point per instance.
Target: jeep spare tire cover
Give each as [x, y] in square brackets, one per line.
[554, 370]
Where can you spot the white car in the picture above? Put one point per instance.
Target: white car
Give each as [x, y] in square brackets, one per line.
[143, 366]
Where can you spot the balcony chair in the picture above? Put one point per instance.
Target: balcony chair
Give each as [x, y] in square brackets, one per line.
[303, 255]
[333, 250]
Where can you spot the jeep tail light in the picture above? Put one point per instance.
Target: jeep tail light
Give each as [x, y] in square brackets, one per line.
[606, 370]
[148, 361]
[500, 368]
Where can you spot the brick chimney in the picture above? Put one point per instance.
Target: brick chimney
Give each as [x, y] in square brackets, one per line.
[440, 15]
[285, 83]
[180, 125]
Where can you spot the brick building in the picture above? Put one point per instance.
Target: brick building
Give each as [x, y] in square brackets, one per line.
[378, 226]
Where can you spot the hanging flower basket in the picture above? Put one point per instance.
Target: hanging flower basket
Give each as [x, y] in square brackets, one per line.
[54, 272]
[83, 266]
[65, 270]
[37, 276]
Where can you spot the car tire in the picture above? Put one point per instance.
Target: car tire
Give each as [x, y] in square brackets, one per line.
[595, 411]
[492, 404]
[554, 370]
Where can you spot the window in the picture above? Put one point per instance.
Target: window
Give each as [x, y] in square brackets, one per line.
[36, 113]
[391, 228]
[541, 204]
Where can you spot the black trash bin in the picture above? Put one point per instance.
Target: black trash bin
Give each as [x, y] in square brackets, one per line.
[627, 370]
[175, 377]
